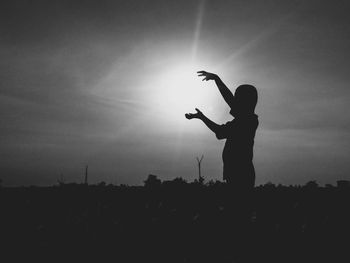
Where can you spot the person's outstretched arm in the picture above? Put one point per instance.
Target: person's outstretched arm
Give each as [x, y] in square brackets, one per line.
[209, 123]
[224, 90]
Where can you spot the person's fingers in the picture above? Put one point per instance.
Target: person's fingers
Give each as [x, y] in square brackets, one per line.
[201, 72]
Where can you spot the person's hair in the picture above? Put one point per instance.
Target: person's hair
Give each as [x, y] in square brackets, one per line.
[247, 96]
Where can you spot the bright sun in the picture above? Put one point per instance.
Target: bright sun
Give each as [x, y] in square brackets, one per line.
[180, 90]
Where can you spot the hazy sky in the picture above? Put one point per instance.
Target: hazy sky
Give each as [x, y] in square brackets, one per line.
[91, 82]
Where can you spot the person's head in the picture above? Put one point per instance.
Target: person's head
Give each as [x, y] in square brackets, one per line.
[245, 99]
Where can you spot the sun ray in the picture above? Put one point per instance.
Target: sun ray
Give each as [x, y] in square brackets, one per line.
[265, 34]
[197, 30]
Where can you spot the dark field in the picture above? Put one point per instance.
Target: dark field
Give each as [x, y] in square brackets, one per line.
[175, 222]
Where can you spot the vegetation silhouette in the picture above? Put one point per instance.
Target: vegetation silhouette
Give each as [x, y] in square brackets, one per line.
[174, 221]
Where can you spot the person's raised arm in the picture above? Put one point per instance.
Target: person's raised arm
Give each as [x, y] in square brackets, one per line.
[209, 123]
[224, 90]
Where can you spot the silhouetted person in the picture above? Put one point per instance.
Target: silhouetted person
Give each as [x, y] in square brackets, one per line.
[239, 133]
[238, 168]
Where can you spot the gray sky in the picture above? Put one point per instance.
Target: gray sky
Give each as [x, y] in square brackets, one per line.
[81, 82]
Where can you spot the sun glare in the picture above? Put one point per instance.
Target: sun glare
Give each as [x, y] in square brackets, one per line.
[180, 90]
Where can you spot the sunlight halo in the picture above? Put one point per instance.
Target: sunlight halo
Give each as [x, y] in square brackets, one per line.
[179, 90]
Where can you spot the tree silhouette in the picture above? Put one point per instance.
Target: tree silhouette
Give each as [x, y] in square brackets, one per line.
[199, 162]
[152, 181]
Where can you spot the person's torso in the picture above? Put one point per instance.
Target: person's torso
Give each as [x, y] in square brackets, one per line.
[239, 145]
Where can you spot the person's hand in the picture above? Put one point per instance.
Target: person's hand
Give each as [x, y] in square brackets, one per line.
[197, 115]
[207, 75]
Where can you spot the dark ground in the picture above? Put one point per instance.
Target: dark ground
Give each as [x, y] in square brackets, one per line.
[174, 222]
